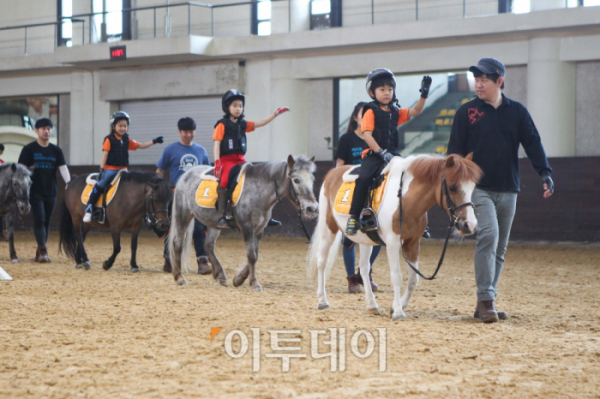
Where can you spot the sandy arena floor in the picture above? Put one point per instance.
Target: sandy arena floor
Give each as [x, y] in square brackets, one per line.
[96, 334]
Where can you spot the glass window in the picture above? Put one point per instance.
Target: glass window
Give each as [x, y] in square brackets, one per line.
[318, 7]
[113, 19]
[66, 27]
[17, 122]
[521, 6]
[262, 18]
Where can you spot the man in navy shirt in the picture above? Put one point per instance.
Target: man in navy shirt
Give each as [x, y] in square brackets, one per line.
[178, 158]
[47, 158]
[492, 127]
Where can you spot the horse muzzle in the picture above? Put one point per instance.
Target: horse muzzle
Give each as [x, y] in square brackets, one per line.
[24, 207]
[311, 211]
[465, 228]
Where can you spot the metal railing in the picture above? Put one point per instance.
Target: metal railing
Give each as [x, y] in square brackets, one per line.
[29, 26]
[449, 9]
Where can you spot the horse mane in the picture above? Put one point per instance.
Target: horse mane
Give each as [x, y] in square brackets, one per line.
[428, 168]
[20, 168]
[276, 168]
[163, 190]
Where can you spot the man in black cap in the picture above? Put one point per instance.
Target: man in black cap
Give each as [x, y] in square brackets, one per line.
[47, 158]
[492, 127]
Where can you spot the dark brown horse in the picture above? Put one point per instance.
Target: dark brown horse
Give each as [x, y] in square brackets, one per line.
[140, 196]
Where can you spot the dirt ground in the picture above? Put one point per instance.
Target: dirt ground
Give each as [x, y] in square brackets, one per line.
[93, 334]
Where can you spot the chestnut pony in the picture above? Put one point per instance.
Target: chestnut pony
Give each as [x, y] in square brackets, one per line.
[423, 178]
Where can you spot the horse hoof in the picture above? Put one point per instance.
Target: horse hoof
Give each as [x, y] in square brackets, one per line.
[181, 280]
[238, 280]
[106, 265]
[135, 270]
[324, 305]
[257, 288]
[398, 316]
[223, 282]
[87, 265]
[374, 311]
[79, 266]
[17, 260]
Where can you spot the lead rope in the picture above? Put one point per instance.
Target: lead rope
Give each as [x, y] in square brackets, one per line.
[301, 225]
[450, 227]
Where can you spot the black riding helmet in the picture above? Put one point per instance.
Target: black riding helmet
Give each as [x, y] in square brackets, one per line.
[231, 96]
[119, 115]
[378, 74]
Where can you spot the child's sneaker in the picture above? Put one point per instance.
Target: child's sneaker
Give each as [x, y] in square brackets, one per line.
[352, 226]
[88, 214]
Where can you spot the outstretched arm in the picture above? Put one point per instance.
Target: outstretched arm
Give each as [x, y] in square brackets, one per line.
[270, 118]
[424, 90]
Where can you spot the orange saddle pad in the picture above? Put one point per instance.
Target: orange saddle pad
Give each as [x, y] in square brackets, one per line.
[206, 195]
[343, 198]
[85, 195]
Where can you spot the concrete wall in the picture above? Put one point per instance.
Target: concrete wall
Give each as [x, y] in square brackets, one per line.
[588, 102]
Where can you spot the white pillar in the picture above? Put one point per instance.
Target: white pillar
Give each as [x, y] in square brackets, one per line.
[540, 5]
[551, 95]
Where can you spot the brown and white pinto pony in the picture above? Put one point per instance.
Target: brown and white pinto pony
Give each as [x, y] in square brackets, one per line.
[421, 190]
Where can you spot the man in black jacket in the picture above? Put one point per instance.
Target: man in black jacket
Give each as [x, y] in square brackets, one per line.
[492, 126]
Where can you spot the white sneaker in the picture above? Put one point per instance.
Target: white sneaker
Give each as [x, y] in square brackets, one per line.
[87, 217]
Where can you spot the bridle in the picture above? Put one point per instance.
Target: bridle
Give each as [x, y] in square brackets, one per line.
[452, 209]
[293, 195]
[17, 198]
[150, 218]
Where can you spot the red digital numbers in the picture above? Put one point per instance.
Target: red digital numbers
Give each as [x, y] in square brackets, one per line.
[117, 53]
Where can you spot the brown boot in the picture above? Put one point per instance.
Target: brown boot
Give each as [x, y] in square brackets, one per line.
[486, 311]
[374, 287]
[354, 284]
[501, 315]
[167, 266]
[3, 237]
[222, 207]
[41, 255]
[203, 266]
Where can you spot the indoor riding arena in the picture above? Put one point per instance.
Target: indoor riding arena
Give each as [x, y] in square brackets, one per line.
[152, 86]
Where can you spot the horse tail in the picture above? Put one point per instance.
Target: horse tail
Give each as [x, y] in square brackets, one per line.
[317, 242]
[179, 236]
[68, 239]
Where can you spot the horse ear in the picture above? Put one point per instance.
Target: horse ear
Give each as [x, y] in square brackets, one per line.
[13, 167]
[469, 156]
[450, 161]
[290, 162]
[312, 159]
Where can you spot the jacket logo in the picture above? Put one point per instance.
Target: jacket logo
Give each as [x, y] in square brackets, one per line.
[474, 115]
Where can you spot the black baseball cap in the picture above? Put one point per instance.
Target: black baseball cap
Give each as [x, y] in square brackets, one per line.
[489, 66]
[43, 122]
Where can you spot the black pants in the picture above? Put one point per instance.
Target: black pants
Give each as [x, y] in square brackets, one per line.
[198, 237]
[41, 210]
[369, 169]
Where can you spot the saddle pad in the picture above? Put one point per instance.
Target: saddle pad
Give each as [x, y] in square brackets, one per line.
[343, 198]
[351, 174]
[85, 195]
[206, 195]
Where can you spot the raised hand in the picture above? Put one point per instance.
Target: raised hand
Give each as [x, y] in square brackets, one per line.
[158, 140]
[281, 110]
[425, 85]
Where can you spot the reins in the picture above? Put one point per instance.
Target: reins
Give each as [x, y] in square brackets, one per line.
[150, 219]
[294, 197]
[452, 208]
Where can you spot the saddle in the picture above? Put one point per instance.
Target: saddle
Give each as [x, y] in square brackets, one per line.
[343, 198]
[99, 214]
[206, 194]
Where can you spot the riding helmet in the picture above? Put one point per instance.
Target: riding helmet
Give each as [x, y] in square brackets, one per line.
[376, 74]
[229, 97]
[117, 116]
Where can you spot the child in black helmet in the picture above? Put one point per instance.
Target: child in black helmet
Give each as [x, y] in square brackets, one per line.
[230, 144]
[381, 117]
[115, 156]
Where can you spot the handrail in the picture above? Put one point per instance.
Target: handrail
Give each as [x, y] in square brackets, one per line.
[54, 23]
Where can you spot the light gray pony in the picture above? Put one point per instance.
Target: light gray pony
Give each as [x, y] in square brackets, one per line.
[15, 182]
[264, 186]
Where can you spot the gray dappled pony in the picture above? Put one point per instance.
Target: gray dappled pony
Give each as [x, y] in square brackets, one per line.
[292, 178]
[15, 182]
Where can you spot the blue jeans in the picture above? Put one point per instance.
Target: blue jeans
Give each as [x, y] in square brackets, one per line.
[350, 257]
[495, 212]
[109, 174]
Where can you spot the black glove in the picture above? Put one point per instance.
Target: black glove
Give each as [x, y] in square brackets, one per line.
[546, 179]
[386, 156]
[158, 140]
[100, 174]
[425, 85]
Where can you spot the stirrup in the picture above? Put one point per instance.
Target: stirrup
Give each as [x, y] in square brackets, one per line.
[222, 223]
[352, 226]
[368, 220]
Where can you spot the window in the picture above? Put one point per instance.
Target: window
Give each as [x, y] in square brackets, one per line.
[261, 18]
[521, 6]
[65, 28]
[325, 14]
[114, 24]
